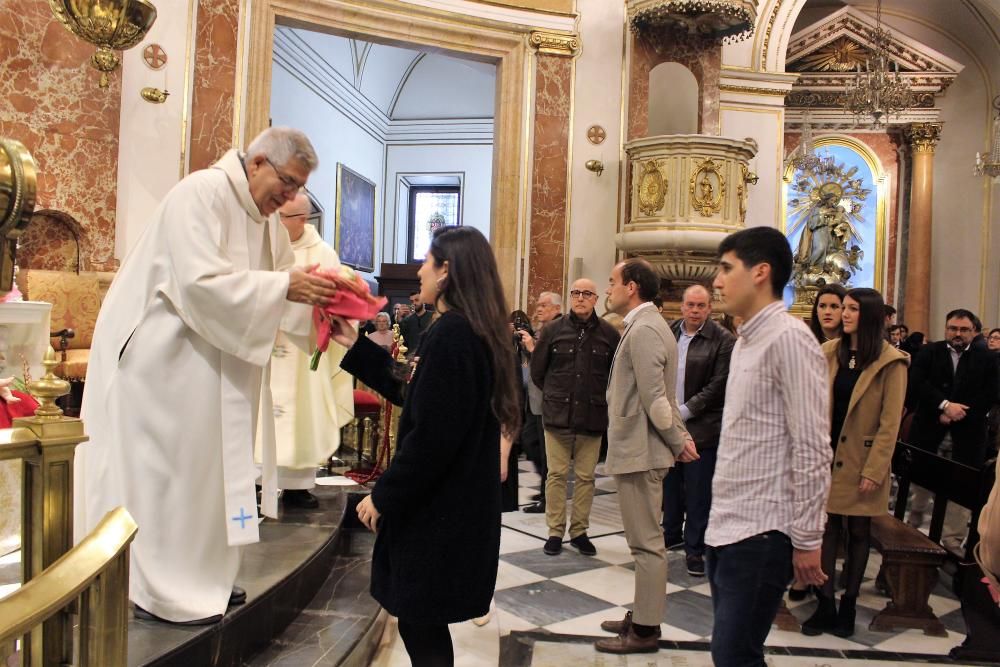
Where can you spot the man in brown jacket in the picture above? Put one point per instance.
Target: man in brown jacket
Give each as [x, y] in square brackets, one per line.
[571, 363]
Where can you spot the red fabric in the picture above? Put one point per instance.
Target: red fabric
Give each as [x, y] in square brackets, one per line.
[353, 301]
[365, 399]
[24, 408]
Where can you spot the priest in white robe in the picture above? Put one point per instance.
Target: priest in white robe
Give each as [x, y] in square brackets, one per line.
[176, 376]
[310, 407]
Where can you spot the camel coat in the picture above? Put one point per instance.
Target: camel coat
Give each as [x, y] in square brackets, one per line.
[868, 436]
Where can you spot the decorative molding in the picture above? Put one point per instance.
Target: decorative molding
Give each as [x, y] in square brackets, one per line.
[652, 189]
[767, 35]
[831, 99]
[555, 43]
[923, 137]
[775, 92]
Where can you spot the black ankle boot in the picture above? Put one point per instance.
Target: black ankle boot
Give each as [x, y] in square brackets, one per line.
[846, 616]
[824, 619]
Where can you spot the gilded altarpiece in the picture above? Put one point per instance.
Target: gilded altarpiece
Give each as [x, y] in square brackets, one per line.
[836, 217]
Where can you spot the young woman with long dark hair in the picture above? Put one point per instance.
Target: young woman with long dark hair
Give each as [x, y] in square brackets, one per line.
[826, 313]
[436, 509]
[867, 389]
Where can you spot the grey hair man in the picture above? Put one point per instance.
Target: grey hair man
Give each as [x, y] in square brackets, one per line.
[203, 294]
[548, 307]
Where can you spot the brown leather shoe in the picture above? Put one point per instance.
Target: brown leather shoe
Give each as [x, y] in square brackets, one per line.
[628, 642]
[618, 627]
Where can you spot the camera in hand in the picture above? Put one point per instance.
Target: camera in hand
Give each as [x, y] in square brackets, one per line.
[521, 324]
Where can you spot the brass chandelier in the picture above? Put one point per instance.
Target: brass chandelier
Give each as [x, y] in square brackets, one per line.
[110, 25]
[877, 92]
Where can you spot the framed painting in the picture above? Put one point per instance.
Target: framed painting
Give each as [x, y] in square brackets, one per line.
[355, 224]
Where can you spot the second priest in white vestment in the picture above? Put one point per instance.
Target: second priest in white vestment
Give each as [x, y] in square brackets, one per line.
[310, 407]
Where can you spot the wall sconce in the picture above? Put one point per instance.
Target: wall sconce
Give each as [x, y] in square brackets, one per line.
[989, 164]
[154, 95]
[595, 166]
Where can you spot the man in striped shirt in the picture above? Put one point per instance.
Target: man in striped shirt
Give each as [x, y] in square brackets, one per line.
[772, 475]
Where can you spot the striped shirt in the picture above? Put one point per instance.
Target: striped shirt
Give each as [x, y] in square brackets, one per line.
[773, 467]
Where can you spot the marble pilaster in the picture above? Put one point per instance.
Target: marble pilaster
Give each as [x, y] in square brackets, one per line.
[550, 166]
[214, 81]
[923, 138]
[50, 101]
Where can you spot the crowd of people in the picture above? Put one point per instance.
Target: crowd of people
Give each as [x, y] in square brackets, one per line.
[759, 479]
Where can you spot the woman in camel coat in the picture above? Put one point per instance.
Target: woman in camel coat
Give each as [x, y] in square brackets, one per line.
[867, 389]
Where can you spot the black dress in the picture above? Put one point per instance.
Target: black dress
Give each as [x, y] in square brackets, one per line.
[843, 387]
[438, 543]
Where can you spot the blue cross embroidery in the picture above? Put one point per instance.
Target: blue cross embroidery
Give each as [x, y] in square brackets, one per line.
[242, 518]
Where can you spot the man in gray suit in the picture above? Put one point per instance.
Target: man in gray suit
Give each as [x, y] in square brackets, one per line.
[645, 437]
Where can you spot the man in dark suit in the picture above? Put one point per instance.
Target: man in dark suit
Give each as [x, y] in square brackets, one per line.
[953, 384]
[703, 351]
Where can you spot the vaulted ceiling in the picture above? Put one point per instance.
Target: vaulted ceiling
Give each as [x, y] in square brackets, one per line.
[408, 84]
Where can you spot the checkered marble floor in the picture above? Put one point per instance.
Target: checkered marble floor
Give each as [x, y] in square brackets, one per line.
[549, 608]
[570, 594]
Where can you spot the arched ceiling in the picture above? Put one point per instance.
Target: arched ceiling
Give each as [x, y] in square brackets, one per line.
[972, 25]
[408, 84]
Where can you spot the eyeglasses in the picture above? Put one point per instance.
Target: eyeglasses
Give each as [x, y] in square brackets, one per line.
[582, 294]
[290, 216]
[961, 330]
[291, 185]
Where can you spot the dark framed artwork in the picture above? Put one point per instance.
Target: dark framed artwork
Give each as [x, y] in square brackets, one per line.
[355, 233]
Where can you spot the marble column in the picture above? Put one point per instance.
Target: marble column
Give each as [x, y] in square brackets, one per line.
[214, 88]
[547, 262]
[922, 137]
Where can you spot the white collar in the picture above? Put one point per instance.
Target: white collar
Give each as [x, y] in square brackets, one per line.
[632, 314]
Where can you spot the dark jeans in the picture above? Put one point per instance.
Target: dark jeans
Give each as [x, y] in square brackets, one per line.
[747, 579]
[687, 498]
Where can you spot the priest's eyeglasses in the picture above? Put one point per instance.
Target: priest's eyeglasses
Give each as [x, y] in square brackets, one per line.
[289, 183]
[582, 294]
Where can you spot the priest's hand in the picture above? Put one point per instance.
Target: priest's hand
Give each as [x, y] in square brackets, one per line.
[367, 513]
[304, 286]
[342, 331]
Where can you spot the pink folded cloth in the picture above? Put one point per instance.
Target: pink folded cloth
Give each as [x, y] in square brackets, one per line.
[353, 301]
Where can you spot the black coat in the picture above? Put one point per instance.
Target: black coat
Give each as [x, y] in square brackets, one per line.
[571, 363]
[706, 371]
[932, 380]
[438, 544]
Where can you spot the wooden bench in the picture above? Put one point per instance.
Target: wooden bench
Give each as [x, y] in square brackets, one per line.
[910, 563]
[910, 559]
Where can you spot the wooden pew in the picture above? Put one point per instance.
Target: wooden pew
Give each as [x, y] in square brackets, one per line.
[910, 560]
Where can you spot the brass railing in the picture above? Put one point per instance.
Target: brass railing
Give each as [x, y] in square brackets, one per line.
[93, 576]
[46, 443]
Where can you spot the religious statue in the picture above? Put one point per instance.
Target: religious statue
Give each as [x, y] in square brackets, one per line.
[826, 206]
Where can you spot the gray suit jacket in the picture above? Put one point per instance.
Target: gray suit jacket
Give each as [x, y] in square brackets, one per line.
[645, 430]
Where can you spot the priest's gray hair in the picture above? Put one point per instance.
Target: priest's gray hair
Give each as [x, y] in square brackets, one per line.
[282, 145]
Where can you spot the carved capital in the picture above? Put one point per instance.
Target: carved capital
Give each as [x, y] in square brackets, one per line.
[555, 43]
[923, 137]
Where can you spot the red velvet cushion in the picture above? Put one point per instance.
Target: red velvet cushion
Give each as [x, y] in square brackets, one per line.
[365, 399]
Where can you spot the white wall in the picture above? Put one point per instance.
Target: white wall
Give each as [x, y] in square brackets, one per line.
[598, 101]
[336, 138]
[475, 162]
[150, 135]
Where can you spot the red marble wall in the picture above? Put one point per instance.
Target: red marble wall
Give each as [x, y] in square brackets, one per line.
[884, 146]
[702, 56]
[50, 101]
[550, 168]
[213, 96]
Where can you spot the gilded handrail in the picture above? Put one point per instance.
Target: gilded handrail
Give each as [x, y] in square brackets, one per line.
[18, 443]
[68, 577]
